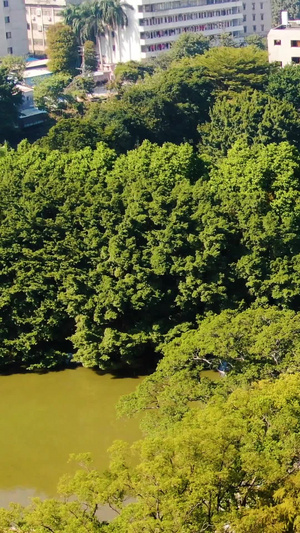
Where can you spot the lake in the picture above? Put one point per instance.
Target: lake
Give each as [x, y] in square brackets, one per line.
[45, 417]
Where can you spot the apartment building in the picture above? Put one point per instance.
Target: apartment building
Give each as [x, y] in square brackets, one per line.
[257, 17]
[13, 34]
[284, 42]
[40, 14]
[155, 24]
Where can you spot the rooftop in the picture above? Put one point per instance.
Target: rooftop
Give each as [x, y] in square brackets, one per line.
[30, 73]
[24, 88]
[36, 63]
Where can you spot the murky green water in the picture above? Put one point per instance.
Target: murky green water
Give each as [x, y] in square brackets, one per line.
[44, 418]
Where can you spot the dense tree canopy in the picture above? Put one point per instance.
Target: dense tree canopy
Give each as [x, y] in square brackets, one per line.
[10, 100]
[252, 116]
[62, 49]
[162, 228]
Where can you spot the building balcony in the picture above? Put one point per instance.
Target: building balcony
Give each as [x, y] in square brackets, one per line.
[191, 9]
[204, 4]
[190, 22]
[172, 38]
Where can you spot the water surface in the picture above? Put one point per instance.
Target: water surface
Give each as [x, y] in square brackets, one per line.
[44, 418]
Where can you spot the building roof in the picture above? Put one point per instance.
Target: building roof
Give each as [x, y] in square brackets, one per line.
[292, 25]
[31, 73]
[31, 112]
[24, 88]
[36, 63]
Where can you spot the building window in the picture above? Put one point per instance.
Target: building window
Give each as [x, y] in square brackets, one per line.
[244, 7]
[245, 29]
[277, 42]
[262, 28]
[8, 35]
[296, 60]
[244, 18]
[28, 26]
[10, 50]
[253, 6]
[253, 17]
[5, 3]
[254, 28]
[295, 44]
[6, 20]
[261, 16]
[261, 5]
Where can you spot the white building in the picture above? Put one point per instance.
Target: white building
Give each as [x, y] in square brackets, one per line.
[155, 24]
[41, 14]
[13, 34]
[284, 42]
[257, 17]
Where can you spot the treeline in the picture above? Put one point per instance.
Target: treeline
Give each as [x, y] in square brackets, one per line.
[223, 92]
[102, 256]
[188, 252]
[106, 256]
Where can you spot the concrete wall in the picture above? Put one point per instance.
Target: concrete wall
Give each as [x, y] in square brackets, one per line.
[13, 32]
[257, 17]
[280, 45]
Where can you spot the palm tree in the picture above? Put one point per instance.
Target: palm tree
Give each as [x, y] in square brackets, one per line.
[89, 19]
[72, 15]
[86, 21]
[93, 24]
[115, 17]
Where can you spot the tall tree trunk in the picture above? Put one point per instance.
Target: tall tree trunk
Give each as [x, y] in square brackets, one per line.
[98, 40]
[119, 44]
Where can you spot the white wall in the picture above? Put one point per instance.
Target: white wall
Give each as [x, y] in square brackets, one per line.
[261, 12]
[283, 52]
[16, 26]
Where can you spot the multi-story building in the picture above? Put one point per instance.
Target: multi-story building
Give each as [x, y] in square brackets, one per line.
[13, 34]
[155, 24]
[40, 14]
[257, 17]
[284, 42]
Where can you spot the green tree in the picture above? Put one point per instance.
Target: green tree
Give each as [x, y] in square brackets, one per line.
[10, 100]
[284, 84]
[62, 49]
[234, 69]
[256, 40]
[15, 65]
[50, 95]
[252, 116]
[71, 134]
[189, 45]
[90, 59]
[131, 72]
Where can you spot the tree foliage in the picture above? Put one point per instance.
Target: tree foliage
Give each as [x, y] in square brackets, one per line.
[62, 49]
[90, 59]
[252, 116]
[231, 464]
[10, 100]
